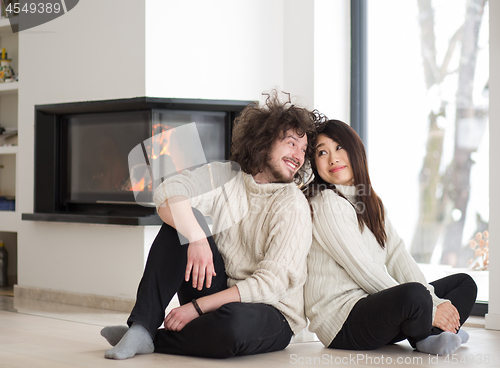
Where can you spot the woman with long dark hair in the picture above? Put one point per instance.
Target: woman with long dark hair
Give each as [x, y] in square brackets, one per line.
[364, 290]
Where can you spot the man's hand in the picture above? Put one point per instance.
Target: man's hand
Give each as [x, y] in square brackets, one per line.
[199, 255]
[447, 317]
[180, 317]
[200, 263]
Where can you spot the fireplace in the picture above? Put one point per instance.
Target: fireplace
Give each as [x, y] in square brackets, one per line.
[82, 154]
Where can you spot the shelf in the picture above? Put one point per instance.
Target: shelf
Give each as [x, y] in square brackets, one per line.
[9, 88]
[94, 219]
[8, 150]
[9, 220]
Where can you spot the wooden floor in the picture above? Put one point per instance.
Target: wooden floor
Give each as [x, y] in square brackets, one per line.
[36, 334]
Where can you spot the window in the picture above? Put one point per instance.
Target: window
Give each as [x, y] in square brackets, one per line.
[427, 129]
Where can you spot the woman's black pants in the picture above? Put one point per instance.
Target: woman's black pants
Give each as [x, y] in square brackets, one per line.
[233, 329]
[403, 312]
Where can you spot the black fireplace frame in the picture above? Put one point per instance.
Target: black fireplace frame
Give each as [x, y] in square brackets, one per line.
[49, 122]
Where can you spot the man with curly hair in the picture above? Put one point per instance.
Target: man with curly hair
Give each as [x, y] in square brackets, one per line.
[240, 289]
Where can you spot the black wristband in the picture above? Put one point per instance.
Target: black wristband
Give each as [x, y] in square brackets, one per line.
[197, 307]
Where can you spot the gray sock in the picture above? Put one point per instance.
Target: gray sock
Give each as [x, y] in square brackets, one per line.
[463, 335]
[114, 333]
[135, 341]
[442, 344]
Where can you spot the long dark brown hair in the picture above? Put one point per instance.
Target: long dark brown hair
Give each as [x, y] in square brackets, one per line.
[371, 211]
[258, 127]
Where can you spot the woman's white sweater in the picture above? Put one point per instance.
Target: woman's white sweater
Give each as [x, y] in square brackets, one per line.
[346, 264]
[263, 232]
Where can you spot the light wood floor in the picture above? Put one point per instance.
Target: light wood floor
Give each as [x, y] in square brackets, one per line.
[37, 334]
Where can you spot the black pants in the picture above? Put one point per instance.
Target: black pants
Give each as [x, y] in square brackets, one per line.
[403, 312]
[233, 329]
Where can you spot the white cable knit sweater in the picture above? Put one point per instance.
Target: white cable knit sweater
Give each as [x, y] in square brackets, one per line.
[263, 232]
[345, 264]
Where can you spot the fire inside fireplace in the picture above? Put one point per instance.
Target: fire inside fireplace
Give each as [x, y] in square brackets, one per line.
[97, 149]
[82, 149]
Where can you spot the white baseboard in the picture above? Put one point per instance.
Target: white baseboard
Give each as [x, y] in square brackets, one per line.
[66, 297]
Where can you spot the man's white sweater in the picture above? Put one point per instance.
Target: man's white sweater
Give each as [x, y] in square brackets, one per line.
[263, 232]
[345, 264]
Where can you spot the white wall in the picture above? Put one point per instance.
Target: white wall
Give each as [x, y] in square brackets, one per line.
[220, 49]
[493, 316]
[298, 50]
[96, 51]
[228, 49]
[332, 58]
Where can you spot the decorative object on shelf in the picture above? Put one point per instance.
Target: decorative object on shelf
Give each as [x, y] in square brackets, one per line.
[4, 263]
[7, 203]
[481, 247]
[6, 71]
[8, 136]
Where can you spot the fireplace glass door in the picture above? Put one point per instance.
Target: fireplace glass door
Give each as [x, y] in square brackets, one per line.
[97, 148]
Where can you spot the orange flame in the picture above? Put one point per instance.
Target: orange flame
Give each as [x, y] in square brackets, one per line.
[161, 141]
[139, 187]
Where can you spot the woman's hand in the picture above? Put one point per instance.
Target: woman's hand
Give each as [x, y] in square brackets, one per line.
[447, 317]
[200, 263]
[180, 317]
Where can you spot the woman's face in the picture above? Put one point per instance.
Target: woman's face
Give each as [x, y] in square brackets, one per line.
[332, 162]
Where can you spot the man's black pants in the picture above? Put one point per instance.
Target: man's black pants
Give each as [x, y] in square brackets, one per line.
[233, 329]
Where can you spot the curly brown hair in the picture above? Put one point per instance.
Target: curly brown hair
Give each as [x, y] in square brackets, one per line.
[258, 127]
